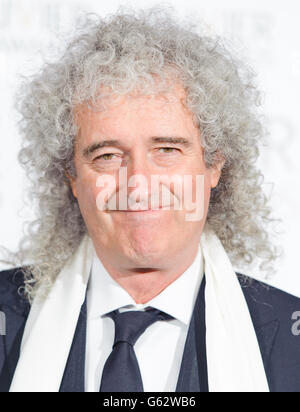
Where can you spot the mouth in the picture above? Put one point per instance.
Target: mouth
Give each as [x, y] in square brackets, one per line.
[142, 214]
[158, 209]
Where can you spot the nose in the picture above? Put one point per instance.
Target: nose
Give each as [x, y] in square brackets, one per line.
[139, 172]
[138, 163]
[136, 176]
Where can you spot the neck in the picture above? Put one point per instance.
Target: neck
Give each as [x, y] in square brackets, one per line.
[143, 284]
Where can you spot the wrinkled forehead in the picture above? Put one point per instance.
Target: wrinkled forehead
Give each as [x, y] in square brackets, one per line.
[161, 97]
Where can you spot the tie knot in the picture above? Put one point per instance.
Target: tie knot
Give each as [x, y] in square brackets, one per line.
[130, 325]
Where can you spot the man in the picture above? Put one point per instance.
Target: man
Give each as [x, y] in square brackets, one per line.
[142, 143]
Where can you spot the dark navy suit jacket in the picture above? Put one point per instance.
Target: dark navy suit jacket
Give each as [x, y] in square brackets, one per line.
[271, 311]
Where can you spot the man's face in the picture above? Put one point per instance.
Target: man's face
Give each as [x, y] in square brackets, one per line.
[147, 137]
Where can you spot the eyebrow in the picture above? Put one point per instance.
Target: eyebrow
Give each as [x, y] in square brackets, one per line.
[155, 139]
[173, 140]
[95, 146]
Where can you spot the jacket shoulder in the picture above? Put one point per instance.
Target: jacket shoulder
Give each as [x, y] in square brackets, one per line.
[275, 316]
[11, 283]
[267, 302]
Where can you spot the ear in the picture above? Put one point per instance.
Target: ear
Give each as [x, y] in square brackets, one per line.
[216, 171]
[72, 182]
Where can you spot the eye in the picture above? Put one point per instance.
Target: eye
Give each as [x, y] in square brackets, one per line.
[168, 149]
[106, 156]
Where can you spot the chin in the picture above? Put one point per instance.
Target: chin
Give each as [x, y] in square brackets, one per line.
[146, 255]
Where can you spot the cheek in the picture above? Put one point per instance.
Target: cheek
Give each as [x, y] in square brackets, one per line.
[87, 193]
[206, 191]
[196, 197]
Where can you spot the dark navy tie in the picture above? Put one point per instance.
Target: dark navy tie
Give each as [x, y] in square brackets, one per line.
[121, 372]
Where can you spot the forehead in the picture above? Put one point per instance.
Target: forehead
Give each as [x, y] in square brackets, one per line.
[109, 101]
[115, 114]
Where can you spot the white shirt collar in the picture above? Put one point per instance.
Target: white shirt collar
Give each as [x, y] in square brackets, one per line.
[178, 299]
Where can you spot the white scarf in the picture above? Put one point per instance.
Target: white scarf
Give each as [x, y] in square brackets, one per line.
[233, 355]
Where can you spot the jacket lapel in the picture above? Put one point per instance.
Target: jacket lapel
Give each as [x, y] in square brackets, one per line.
[193, 370]
[10, 343]
[266, 336]
[266, 325]
[73, 379]
[74, 375]
[188, 380]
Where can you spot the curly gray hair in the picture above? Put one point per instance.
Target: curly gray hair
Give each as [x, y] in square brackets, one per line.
[122, 51]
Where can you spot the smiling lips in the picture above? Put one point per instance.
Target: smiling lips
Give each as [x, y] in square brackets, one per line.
[145, 210]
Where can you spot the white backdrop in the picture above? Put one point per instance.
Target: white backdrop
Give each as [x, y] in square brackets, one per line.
[267, 34]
